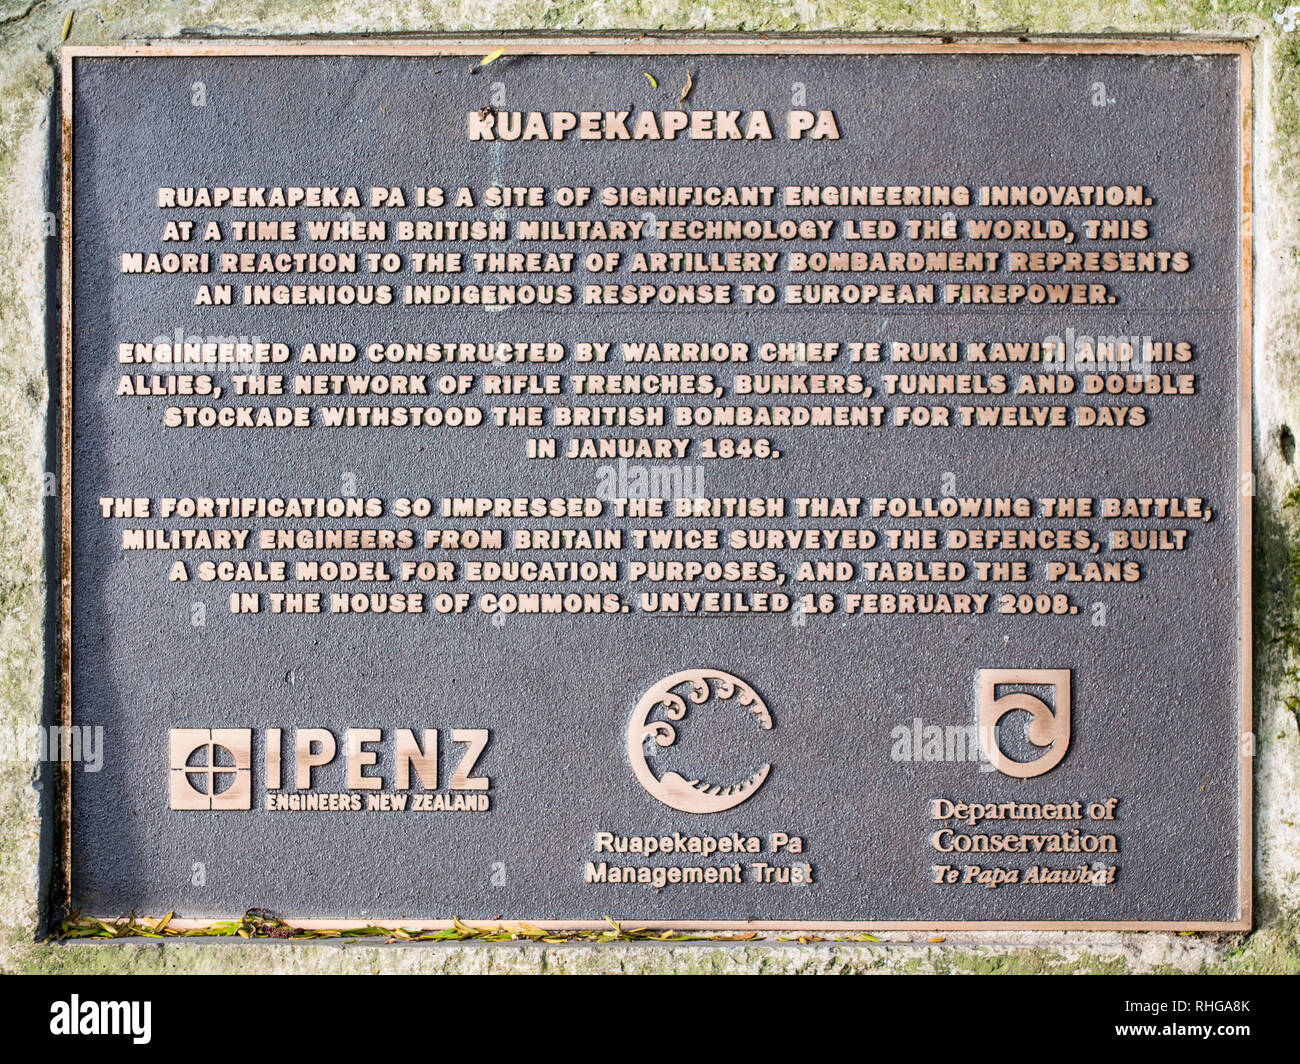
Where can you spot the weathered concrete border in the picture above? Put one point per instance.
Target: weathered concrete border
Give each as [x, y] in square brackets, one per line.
[30, 35]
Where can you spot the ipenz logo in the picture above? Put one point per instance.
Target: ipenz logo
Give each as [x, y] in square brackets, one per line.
[317, 770]
[211, 768]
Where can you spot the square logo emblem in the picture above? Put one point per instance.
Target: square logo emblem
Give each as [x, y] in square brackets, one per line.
[211, 768]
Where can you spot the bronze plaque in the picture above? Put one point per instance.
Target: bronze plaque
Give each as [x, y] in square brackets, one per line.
[788, 484]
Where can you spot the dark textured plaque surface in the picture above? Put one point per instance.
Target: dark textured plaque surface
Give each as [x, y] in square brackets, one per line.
[1155, 692]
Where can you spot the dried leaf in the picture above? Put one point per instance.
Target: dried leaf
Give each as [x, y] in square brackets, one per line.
[686, 89]
[260, 924]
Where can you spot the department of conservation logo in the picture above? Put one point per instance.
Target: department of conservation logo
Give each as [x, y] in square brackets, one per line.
[1049, 727]
[700, 686]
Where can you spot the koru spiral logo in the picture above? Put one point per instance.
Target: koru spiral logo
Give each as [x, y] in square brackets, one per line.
[702, 686]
